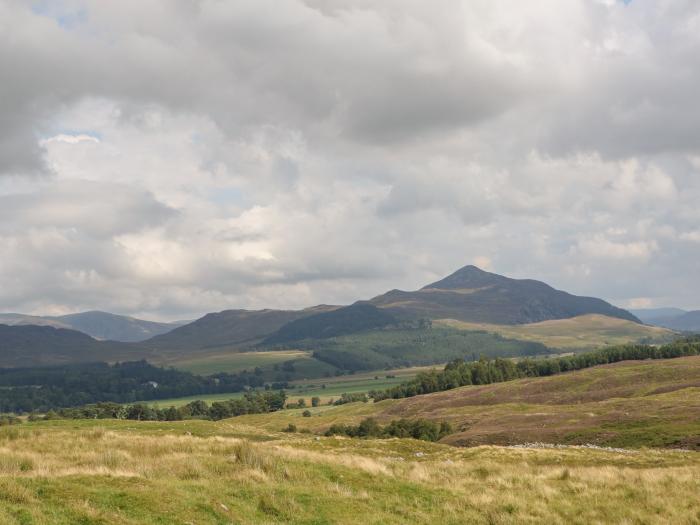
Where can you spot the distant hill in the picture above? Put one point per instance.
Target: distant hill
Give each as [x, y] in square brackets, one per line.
[30, 345]
[473, 295]
[673, 318]
[582, 332]
[652, 315]
[687, 322]
[348, 320]
[228, 328]
[36, 320]
[100, 325]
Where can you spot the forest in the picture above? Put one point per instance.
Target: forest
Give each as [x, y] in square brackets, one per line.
[52, 387]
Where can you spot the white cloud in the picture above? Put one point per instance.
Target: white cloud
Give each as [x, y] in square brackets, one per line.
[206, 155]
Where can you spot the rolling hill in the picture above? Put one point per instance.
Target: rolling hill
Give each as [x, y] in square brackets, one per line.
[582, 332]
[228, 329]
[347, 320]
[651, 315]
[626, 404]
[687, 322]
[99, 325]
[30, 345]
[473, 295]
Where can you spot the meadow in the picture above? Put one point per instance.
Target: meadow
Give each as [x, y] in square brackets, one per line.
[584, 332]
[233, 362]
[126, 472]
[326, 389]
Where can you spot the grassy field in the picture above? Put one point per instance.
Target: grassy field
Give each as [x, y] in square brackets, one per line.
[125, 472]
[583, 332]
[232, 362]
[628, 404]
[327, 388]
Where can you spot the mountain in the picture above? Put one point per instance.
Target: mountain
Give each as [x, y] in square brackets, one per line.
[229, 328]
[100, 325]
[473, 295]
[36, 320]
[350, 319]
[31, 345]
[687, 322]
[652, 315]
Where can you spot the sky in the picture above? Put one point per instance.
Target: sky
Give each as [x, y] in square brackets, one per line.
[174, 157]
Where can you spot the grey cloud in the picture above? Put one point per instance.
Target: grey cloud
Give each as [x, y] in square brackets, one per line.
[95, 209]
[284, 153]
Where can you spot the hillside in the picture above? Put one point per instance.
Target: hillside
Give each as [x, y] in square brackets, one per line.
[650, 315]
[582, 332]
[30, 345]
[14, 319]
[473, 295]
[394, 348]
[358, 317]
[99, 325]
[627, 404]
[228, 329]
[687, 322]
[204, 472]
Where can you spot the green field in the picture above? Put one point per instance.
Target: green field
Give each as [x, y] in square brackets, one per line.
[326, 389]
[583, 332]
[232, 362]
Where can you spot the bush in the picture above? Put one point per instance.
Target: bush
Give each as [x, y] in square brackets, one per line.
[306, 413]
[403, 428]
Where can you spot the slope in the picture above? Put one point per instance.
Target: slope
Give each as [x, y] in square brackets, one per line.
[582, 332]
[230, 329]
[99, 325]
[104, 325]
[687, 322]
[628, 404]
[358, 317]
[30, 345]
[473, 295]
[204, 472]
[651, 315]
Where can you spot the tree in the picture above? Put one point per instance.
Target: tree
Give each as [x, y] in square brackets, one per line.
[315, 401]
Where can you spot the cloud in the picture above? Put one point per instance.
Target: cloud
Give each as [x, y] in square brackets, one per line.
[172, 158]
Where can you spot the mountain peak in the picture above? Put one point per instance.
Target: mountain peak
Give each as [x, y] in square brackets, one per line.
[469, 276]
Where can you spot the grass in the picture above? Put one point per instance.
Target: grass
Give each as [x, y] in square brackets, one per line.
[327, 388]
[236, 362]
[629, 404]
[245, 471]
[95, 472]
[583, 332]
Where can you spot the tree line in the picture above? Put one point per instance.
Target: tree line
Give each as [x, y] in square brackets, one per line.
[483, 372]
[258, 402]
[52, 387]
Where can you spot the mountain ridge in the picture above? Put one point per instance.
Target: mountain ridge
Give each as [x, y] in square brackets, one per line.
[97, 324]
[474, 295]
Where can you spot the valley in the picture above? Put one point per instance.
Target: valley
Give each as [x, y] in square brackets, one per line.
[245, 470]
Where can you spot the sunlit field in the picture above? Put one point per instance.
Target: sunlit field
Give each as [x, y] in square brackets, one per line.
[104, 472]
